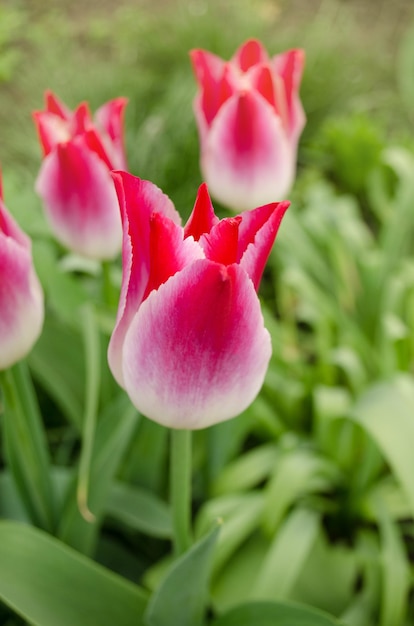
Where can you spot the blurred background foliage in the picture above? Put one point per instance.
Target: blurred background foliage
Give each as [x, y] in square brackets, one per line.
[358, 64]
[315, 481]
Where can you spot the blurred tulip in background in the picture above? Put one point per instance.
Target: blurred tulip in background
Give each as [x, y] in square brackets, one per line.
[21, 296]
[249, 119]
[75, 182]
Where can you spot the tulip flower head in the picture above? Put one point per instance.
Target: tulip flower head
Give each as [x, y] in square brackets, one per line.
[189, 345]
[21, 296]
[249, 118]
[74, 182]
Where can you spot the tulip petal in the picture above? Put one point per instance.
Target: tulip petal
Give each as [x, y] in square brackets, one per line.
[21, 296]
[110, 118]
[289, 66]
[249, 54]
[56, 106]
[262, 79]
[169, 251]
[188, 365]
[80, 200]
[257, 233]
[206, 65]
[202, 218]
[51, 130]
[81, 119]
[95, 143]
[10, 228]
[271, 87]
[247, 160]
[138, 200]
[221, 244]
[214, 77]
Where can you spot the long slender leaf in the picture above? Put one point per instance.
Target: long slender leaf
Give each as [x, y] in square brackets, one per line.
[386, 412]
[295, 473]
[112, 438]
[241, 515]
[139, 509]
[50, 584]
[91, 341]
[26, 446]
[246, 471]
[395, 572]
[274, 614]
[286, 556]
[182, 596]
[57, 364]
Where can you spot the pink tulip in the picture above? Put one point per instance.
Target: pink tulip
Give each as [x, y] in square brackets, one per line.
[249, 118]
[189, 345]
[21, 296]
[74, 182]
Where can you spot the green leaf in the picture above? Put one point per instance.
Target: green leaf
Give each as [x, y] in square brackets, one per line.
[49, 584]
[26, 446]
[92, 353]
[57, 364]
[395, 572]
[145, 459]
[241, 514]
[182, 596]
[64, 292]
[286, 556]
[139, 509]
[224, 441]
[11, 506]
[386, 411]
[328, 576]
[296, 473]
[113, 434]
[233, 584]
[274, 614]
[246, 471]
[362, 611]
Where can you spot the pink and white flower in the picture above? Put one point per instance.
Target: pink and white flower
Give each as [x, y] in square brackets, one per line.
[21, 295]
[249, 119]
[74, 182]
[189, 345]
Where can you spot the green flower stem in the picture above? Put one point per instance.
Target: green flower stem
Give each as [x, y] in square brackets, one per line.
[180, 489]
[26, 446]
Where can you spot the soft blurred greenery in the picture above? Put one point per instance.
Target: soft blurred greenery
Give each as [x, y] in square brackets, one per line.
[315, 481]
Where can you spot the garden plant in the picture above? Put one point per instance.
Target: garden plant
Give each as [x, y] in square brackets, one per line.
[207, 313]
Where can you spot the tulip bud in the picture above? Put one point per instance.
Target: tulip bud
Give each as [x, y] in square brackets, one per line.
[74, 182]
[189, 345]
[249, 118]
[21, 295]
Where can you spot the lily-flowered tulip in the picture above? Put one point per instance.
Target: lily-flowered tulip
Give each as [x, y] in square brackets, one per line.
[21, 296]
[189, 345]
[74, 182]
[249, 118]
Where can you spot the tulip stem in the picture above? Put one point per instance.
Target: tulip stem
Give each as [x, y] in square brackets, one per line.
[180, 494]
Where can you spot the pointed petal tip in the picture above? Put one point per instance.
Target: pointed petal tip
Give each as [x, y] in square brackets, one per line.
[203, 190]
[281, 206]
[202, 217]
[121, 100]
[55, 106]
